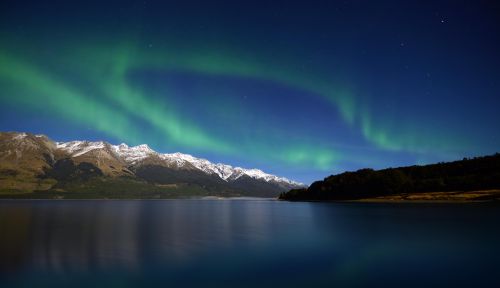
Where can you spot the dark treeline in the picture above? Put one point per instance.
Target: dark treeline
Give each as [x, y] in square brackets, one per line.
[475, 174]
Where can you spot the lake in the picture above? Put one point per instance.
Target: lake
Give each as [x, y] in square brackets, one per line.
[247, 243]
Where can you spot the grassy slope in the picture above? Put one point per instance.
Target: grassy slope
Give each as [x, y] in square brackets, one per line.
[113, 188]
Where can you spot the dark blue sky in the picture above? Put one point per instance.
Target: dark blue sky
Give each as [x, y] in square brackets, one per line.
[301, 89]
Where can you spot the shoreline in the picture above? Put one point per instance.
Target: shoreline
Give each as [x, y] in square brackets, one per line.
[143, 199]
[481, 196]
[484, 196]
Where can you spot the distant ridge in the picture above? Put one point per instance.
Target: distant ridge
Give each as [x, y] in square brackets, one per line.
[467, 179]
[34, 163]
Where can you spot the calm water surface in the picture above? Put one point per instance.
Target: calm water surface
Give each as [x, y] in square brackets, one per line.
[234, 243]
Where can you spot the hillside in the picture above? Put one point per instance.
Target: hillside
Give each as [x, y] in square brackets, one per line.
[468, 179]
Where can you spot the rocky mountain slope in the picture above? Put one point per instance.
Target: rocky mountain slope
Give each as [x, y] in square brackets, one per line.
[35, 164]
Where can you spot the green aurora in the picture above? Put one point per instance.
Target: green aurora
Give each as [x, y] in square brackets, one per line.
[39, 88]
[90, 81]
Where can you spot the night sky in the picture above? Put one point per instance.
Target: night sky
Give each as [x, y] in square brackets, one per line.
[301, 89]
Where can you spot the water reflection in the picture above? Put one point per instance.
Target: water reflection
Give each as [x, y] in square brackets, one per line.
[245, 243]
[68, 236]
[58, 238]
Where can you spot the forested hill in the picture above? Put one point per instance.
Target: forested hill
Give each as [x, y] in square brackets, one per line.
[476, 174]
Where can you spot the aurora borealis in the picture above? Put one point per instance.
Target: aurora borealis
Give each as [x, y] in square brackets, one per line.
[301, 91]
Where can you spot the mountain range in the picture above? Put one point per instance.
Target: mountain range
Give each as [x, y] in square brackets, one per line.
[34, 166]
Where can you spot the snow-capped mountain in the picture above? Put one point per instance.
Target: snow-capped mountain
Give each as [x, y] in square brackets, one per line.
[137, 154]
[62, 164]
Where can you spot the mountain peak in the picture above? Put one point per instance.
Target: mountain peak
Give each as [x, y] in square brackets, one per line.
[143, 147]
[123, 146]
[20, 136]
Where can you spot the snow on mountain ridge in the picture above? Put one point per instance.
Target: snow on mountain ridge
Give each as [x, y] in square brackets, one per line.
[132, 154]
[135, 154]
[78, 148]
[20, 136]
